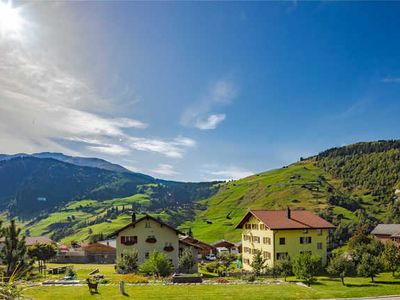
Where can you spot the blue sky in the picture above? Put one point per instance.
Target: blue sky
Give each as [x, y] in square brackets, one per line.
[199, 91]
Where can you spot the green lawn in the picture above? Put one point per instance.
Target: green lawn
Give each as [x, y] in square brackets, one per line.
[324, 288]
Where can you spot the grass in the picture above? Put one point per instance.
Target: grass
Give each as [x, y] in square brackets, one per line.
[300, 185]
[83, 270]
[324, 288]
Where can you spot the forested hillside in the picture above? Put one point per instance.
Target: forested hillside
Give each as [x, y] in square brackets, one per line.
[31, 186]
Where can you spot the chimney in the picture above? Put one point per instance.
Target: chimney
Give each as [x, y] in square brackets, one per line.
[288, 212]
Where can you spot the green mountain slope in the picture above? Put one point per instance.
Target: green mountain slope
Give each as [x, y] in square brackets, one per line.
[346, 185]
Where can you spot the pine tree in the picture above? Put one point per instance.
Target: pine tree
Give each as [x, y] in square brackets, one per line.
[13, 253]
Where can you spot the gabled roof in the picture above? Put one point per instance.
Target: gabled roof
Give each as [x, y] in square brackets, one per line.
[191, 240]
[187, 243]
[146, 217]
[278, 219]
[386, 229]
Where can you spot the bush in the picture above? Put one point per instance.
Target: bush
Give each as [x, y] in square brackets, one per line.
[128, 262]
[249, 277]
[221, 280]
[158, 264]
[186, 262]
[306, 266]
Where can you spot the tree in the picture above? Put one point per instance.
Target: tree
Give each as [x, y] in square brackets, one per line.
[391, 257]
[306, 266]
[340, 266]
[186, 262]
[13, 253]
[42, 252]
[258, 263]
[369, 266]
[157, 264]
[284, 267]
[127, 263]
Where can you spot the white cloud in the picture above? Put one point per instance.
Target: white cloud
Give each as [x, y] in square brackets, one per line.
[227, 173]
[200, 114]
[211, 122]
[173, 148]
[44, 107]
[165, 169]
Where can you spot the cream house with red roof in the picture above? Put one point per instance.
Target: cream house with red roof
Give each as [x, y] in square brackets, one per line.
[283, 233]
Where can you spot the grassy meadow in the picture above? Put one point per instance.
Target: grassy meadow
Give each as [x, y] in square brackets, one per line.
[325, 287]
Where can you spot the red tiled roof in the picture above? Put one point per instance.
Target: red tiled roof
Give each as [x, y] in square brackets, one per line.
[277, 219]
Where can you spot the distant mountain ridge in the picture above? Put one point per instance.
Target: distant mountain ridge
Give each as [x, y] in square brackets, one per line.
[31, 184]
[75, 160]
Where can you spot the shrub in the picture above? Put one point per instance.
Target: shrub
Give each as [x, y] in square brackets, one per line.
[250, 277]
[221, 280]
[128, 262]
[186, 262]
[157, 264]
[258, 263]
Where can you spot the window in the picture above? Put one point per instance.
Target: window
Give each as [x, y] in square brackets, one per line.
[247, 250]
[256, 239]
[319, 231]
[246, 261]
[281, 255]
[253, 251]
[319, 246]
[128, 240]
[254, 226]
[247, 226]
[305, 240]
[282, 241]
[147, 224]
[146, 255]
[267, 240]
[246, 237]
[267, 255]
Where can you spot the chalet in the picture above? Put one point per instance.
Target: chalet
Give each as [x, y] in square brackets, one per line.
[148, 234]
[283, 233]
[224, 245]
[203, 248]
[387, 232]
[86, 253]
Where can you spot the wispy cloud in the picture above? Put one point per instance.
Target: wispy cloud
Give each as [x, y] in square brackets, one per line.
[201, 114]
[213, 172]
[43, 107]
[165, 169]
[211, 122]
[391, 79]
